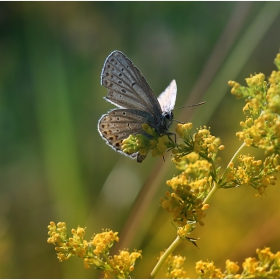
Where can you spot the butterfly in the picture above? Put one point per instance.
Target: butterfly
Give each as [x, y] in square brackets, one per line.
[137, 104]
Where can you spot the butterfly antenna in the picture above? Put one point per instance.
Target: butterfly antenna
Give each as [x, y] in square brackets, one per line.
[177, 120]
[198, 104]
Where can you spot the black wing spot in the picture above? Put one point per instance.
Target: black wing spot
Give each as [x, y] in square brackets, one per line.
[122, 69]
[120, 75]
[133, 84]
[123, 90]
[119, 82]
[124, 113]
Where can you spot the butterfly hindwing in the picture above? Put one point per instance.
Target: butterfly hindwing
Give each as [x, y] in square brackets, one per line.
[118, 124]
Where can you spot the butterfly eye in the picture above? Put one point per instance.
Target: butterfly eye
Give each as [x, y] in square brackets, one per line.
[168, 115]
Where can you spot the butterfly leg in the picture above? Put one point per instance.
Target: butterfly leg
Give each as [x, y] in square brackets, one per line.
[169, 136]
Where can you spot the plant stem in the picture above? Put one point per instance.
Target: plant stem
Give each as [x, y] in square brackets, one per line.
[162, 259]
[233, 159]
[211, 193]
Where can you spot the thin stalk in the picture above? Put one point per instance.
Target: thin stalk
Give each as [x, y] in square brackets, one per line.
[217, 186]
[232, 160]
[211, 193]
[162, 259]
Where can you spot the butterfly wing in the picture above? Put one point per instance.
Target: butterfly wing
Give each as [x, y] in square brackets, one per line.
[127, 88]
[118, 124]
[168, 97]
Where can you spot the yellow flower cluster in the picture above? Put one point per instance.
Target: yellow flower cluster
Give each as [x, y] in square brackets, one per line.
[190, 187]
[184, 130]
[144, 143]
[207, 270]
[104, 241]
[206, 143]
[262, 126]
[266, 266]
[202, 142]
[275, 75]
[256, 173]
[122, 265]
[57, 233]
[94, 252]
[173, 266]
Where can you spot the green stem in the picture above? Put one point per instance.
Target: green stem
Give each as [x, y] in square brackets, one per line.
[162, 259]
[232, 160]
[211, 193]
[217, 186]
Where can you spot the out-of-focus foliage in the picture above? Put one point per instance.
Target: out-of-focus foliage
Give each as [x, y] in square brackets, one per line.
[55, 166]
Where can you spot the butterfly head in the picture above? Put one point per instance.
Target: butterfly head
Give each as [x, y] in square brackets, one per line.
[166, 120]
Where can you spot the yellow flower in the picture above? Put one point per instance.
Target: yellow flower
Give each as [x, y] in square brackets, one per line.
[255, 173]
[144, 143]
[122, 264]
[103, 241]
[184, 231]
[266, 266]
[174, 267]
[231, 267]
[160, 146]
[208, 270]
[256, 80]
[262, 126]
[184, 130]
[95, 252]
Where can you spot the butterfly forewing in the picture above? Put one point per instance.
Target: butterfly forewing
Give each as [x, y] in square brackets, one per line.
[127, 88]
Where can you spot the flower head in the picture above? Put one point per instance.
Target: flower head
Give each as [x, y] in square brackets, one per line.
[208, 270]
[94, 252]
[266, 265]
[143, 143]
[122, 264]
[173, 267]
[262, 125]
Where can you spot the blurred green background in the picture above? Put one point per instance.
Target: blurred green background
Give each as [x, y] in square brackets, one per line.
[54, 166]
